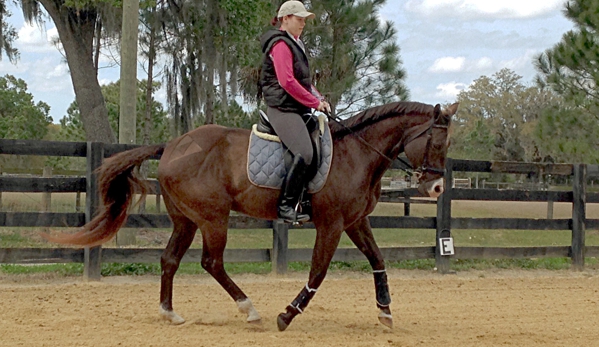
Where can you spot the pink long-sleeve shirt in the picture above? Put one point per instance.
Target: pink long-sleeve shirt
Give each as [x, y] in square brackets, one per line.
[283, 63]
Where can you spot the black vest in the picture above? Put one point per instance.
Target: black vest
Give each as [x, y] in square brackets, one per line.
[274, 95]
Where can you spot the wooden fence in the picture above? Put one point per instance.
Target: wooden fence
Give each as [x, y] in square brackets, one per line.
[280, 254]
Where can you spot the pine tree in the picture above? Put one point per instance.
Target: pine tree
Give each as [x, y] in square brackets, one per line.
[355, 58]
[571, 68]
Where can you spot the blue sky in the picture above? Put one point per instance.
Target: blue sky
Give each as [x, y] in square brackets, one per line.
[445, 45]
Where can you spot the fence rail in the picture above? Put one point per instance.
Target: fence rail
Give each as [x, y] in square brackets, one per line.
[280, 254]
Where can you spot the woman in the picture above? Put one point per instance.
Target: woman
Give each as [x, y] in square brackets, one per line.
[288, 92]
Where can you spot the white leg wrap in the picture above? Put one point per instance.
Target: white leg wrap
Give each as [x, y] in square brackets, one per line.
[246, 306]
[384, 315]
[310, 290]
[171, 316]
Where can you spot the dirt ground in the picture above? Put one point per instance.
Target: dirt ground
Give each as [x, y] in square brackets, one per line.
[491, 308]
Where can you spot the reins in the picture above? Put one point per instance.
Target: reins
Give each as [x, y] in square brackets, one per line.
[329, 116]
[410, 169]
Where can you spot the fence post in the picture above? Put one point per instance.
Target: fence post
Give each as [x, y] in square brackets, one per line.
[406, 204]
[549, 209]
[280, 245]
[92, 255]
[444, 218]
[578, 216]
[78, 202]
[47, 197]
[157, 202]
[0, 190]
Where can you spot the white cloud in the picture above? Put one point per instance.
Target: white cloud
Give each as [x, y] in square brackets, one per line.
[105, 81]
[483, 63]
[519, 62]
[35, 40]
[48, 75]
[461, 64]
[449, 91]
[6, 67]
[448, 64]
[475, 9]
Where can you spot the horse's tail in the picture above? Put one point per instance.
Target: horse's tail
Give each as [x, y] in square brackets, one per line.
[117, 182]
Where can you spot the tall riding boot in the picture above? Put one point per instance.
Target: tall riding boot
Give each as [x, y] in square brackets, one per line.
[293, 186]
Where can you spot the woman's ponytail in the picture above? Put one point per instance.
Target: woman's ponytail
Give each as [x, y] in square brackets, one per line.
[275, 21]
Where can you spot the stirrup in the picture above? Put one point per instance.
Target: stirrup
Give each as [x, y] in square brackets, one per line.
[295, 220]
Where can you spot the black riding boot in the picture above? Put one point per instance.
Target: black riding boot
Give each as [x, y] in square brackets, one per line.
[293, 186]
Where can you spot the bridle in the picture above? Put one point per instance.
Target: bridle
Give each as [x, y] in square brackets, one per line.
[424, 167]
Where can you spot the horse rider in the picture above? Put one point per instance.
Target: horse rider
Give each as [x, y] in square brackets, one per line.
[285, 83]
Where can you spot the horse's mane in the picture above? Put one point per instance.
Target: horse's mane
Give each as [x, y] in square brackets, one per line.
[375, 114]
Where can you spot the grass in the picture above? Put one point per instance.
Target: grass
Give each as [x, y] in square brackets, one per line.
[134, 269]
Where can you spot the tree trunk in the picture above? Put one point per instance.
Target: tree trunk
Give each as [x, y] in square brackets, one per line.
[148, 113]
[209, 57]
[223, 67]
[233, 80]
[128, 93]
[128, 83]
[76, 32]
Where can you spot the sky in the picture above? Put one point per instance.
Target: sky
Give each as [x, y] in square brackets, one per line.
[445, 45]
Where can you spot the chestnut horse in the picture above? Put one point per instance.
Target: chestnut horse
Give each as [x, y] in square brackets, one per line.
[203, 176]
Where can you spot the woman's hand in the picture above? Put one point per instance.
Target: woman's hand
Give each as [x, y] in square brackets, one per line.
[324, 107]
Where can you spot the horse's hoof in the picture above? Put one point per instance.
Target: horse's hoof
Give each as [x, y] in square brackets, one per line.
[171, 316]
[255, 321]
[283, 320]
[246, 306]
[281, 323]
[386, 319]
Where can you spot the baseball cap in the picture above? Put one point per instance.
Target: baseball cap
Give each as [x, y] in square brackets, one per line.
[295, 8]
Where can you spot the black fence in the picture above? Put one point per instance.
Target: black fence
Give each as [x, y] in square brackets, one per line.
[280, 254]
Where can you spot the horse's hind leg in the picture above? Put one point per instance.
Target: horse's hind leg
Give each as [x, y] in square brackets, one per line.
[184, 231]
[214, 236]
[361, 235]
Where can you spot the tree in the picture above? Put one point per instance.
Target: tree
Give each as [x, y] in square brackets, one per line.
[7, 36]
[568, 136]
[498, 117]
[20, 116]
[78, 23]
[355, 59]
[197, 51]
[571, 69]
[72, 127]
[233, 115]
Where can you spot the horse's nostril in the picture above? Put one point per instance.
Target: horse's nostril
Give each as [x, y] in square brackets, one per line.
[439, 189]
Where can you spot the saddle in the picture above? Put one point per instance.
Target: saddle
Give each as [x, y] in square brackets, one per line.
[268, 159]
[315, 131]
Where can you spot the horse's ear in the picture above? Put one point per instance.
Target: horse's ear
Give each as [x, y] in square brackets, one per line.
[451, 110]
[437, 111]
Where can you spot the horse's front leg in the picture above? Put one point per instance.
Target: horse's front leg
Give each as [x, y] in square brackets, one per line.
[361, 235]
[327, 239]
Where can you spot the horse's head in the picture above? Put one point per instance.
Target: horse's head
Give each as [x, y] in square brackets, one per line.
[426, 148]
